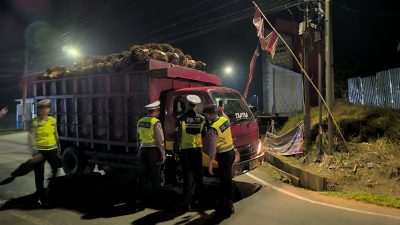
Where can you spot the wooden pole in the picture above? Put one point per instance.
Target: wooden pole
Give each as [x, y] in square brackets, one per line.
[306, 85]
[328, 73]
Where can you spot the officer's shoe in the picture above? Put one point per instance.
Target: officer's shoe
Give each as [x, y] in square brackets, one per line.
[139, 205]
[229, 208]
[187, 207]
[196, 205]
[229, 211]
[220, 213]
[43, 202]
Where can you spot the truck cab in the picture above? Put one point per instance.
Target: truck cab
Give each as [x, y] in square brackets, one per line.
[249, 152]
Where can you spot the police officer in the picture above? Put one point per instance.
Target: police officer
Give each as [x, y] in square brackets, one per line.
[189, 130]
[44, 139]
[151, 140]
[221, 147]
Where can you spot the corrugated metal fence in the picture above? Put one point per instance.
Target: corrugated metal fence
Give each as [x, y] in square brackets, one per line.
[381, 90]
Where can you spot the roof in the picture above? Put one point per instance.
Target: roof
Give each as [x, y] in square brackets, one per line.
[205, 89]
[180, 72]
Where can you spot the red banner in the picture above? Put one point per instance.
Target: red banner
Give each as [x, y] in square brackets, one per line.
[251, 71]
[269, 42]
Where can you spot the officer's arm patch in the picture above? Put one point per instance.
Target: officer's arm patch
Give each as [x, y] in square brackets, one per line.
[224, 126]
[144, 124]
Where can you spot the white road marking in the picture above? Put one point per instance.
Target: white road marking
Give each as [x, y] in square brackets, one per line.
[28, 218]
[316, 202]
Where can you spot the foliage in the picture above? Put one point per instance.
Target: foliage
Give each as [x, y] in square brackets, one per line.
[357, 123]
[369, 198]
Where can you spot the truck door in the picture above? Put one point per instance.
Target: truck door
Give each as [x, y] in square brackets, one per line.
[176, 105]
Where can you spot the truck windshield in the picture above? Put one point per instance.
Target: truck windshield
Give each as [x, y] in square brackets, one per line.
[234, 106]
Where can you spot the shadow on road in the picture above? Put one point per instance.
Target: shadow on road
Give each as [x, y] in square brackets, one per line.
[114, 195]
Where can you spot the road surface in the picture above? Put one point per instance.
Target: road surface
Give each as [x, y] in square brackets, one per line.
[98, 200]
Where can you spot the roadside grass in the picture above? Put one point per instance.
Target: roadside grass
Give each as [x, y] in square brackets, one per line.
[369, 198]
[360, 121]
[272, 171]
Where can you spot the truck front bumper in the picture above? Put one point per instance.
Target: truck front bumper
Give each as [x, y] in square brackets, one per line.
[250, 164]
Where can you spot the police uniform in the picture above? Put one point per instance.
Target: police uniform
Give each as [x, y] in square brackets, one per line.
[189, 130]
[44, 140]
[222, 148]
[151, 141]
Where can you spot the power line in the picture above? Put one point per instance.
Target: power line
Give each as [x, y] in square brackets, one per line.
[364, 12]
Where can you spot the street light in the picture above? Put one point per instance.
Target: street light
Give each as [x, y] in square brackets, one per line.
[71, 52]
[228, 70]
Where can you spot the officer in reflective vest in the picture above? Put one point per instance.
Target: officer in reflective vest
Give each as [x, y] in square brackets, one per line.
[152, 148]
[189, 130]
[221, 147]
[44, 140]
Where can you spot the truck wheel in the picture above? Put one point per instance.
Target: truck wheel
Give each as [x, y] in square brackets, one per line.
[73, 161]
[172, 173]
[179, 175]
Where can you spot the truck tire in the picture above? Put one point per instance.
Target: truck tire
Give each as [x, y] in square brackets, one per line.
[73, 161]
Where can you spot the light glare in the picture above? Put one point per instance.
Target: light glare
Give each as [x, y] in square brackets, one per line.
[228, 70]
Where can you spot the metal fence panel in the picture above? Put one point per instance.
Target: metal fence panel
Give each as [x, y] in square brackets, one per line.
[354, 90]
[381, 90]
[395, 86]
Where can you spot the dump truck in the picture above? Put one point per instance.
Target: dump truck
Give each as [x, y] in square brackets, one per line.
[97, 115]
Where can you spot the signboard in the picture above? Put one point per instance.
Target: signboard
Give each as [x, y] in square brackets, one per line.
[283, 92]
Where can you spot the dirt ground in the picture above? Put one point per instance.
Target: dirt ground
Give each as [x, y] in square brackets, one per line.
[372, 168]
[371, 163]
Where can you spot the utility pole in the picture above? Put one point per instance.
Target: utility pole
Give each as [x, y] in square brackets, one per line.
[320, 147]
[320, 71]
[24, 92]
[307, 117]
[328, 72]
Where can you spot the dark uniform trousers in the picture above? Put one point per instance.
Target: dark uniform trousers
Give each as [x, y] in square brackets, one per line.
[225, 161]
[150, 177]
[55, 163]
[191, 160]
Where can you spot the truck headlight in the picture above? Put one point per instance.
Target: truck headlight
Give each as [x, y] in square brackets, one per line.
[259, 147]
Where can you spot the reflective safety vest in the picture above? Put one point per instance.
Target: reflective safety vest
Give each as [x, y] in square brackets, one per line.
[191, 132]
[44, 133]
[145, 129]
[225, 141]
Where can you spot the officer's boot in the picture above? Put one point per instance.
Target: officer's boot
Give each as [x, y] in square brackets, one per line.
[229, 208]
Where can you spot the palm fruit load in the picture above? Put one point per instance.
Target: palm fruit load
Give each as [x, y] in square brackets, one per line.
[137, 54]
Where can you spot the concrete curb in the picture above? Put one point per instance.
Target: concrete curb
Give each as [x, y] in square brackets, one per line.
[298, 176]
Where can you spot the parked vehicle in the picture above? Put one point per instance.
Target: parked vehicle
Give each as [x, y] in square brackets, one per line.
[97, 114]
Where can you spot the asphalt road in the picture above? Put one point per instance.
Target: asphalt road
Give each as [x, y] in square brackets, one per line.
[100, 200]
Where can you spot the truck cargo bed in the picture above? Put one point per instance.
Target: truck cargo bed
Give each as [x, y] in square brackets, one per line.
[98, 112]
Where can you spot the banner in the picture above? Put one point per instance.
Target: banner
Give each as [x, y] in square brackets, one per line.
[251, 71]
[269, 42]
[290, 143]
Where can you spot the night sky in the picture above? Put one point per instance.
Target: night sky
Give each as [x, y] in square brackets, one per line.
[366, 33]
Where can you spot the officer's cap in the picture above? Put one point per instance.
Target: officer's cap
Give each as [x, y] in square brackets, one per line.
[45, 103]
[193, 99]
[210, 108]
[153, 106]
